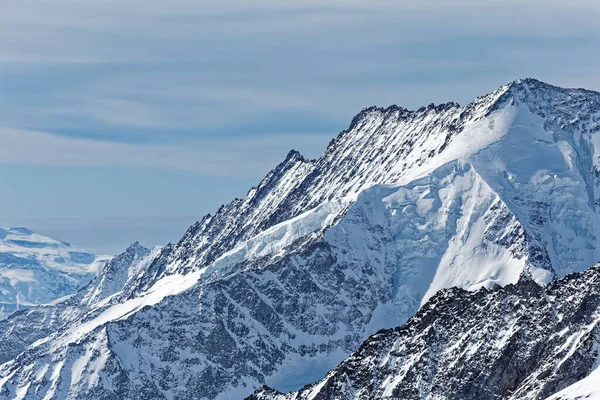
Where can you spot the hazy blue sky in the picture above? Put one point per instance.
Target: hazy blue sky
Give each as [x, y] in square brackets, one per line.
[124, 120]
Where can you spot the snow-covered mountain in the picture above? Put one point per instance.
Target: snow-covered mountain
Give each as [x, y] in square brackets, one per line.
[517, 342]
[35, 269]
[35, 323]
[279, 287]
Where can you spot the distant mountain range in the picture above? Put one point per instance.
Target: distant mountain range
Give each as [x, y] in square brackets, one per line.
[35, 269]
[281, 286]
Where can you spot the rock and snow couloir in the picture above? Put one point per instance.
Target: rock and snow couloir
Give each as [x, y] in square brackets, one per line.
[282, 285]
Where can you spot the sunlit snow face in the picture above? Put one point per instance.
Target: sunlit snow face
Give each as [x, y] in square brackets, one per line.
[137, 109]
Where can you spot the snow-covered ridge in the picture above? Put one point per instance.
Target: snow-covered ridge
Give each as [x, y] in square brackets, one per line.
[381, 146]
[324, 252]
[35, 269]
[525, 120]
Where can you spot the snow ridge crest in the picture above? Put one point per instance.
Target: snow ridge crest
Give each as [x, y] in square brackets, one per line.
[322, 253]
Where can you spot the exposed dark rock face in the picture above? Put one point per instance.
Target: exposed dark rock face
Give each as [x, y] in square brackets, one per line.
[517, 342]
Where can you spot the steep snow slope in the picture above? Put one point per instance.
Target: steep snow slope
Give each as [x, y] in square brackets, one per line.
[35, 269]
[517, 342]
[381, 146]
[587, 388]
[543, 123]
[25, 327]
[320, 254]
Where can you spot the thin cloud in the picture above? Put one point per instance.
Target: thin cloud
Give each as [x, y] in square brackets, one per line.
[114, 111]
[218, 66]
[80, 32]
[227, 158]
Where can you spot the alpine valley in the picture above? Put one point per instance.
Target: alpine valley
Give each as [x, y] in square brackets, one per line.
[471, 229]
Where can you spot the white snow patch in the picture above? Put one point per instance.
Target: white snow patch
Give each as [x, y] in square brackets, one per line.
[274, 240]
[167, 286]
[587, 388]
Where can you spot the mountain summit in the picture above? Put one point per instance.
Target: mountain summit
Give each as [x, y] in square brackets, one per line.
[282, 285]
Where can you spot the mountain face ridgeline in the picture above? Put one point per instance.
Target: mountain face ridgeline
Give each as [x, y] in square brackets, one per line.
[282, 285]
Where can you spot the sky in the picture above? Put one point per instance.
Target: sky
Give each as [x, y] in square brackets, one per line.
[129, 120]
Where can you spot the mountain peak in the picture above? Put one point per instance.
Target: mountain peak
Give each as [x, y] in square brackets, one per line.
[137, 248]
[293, 155]
[532, 85]
[115, 274]
[527, 81]
[399, 112]
[563, 109]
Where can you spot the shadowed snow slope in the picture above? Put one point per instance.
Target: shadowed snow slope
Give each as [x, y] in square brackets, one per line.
[282, 285]
[35, 269]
